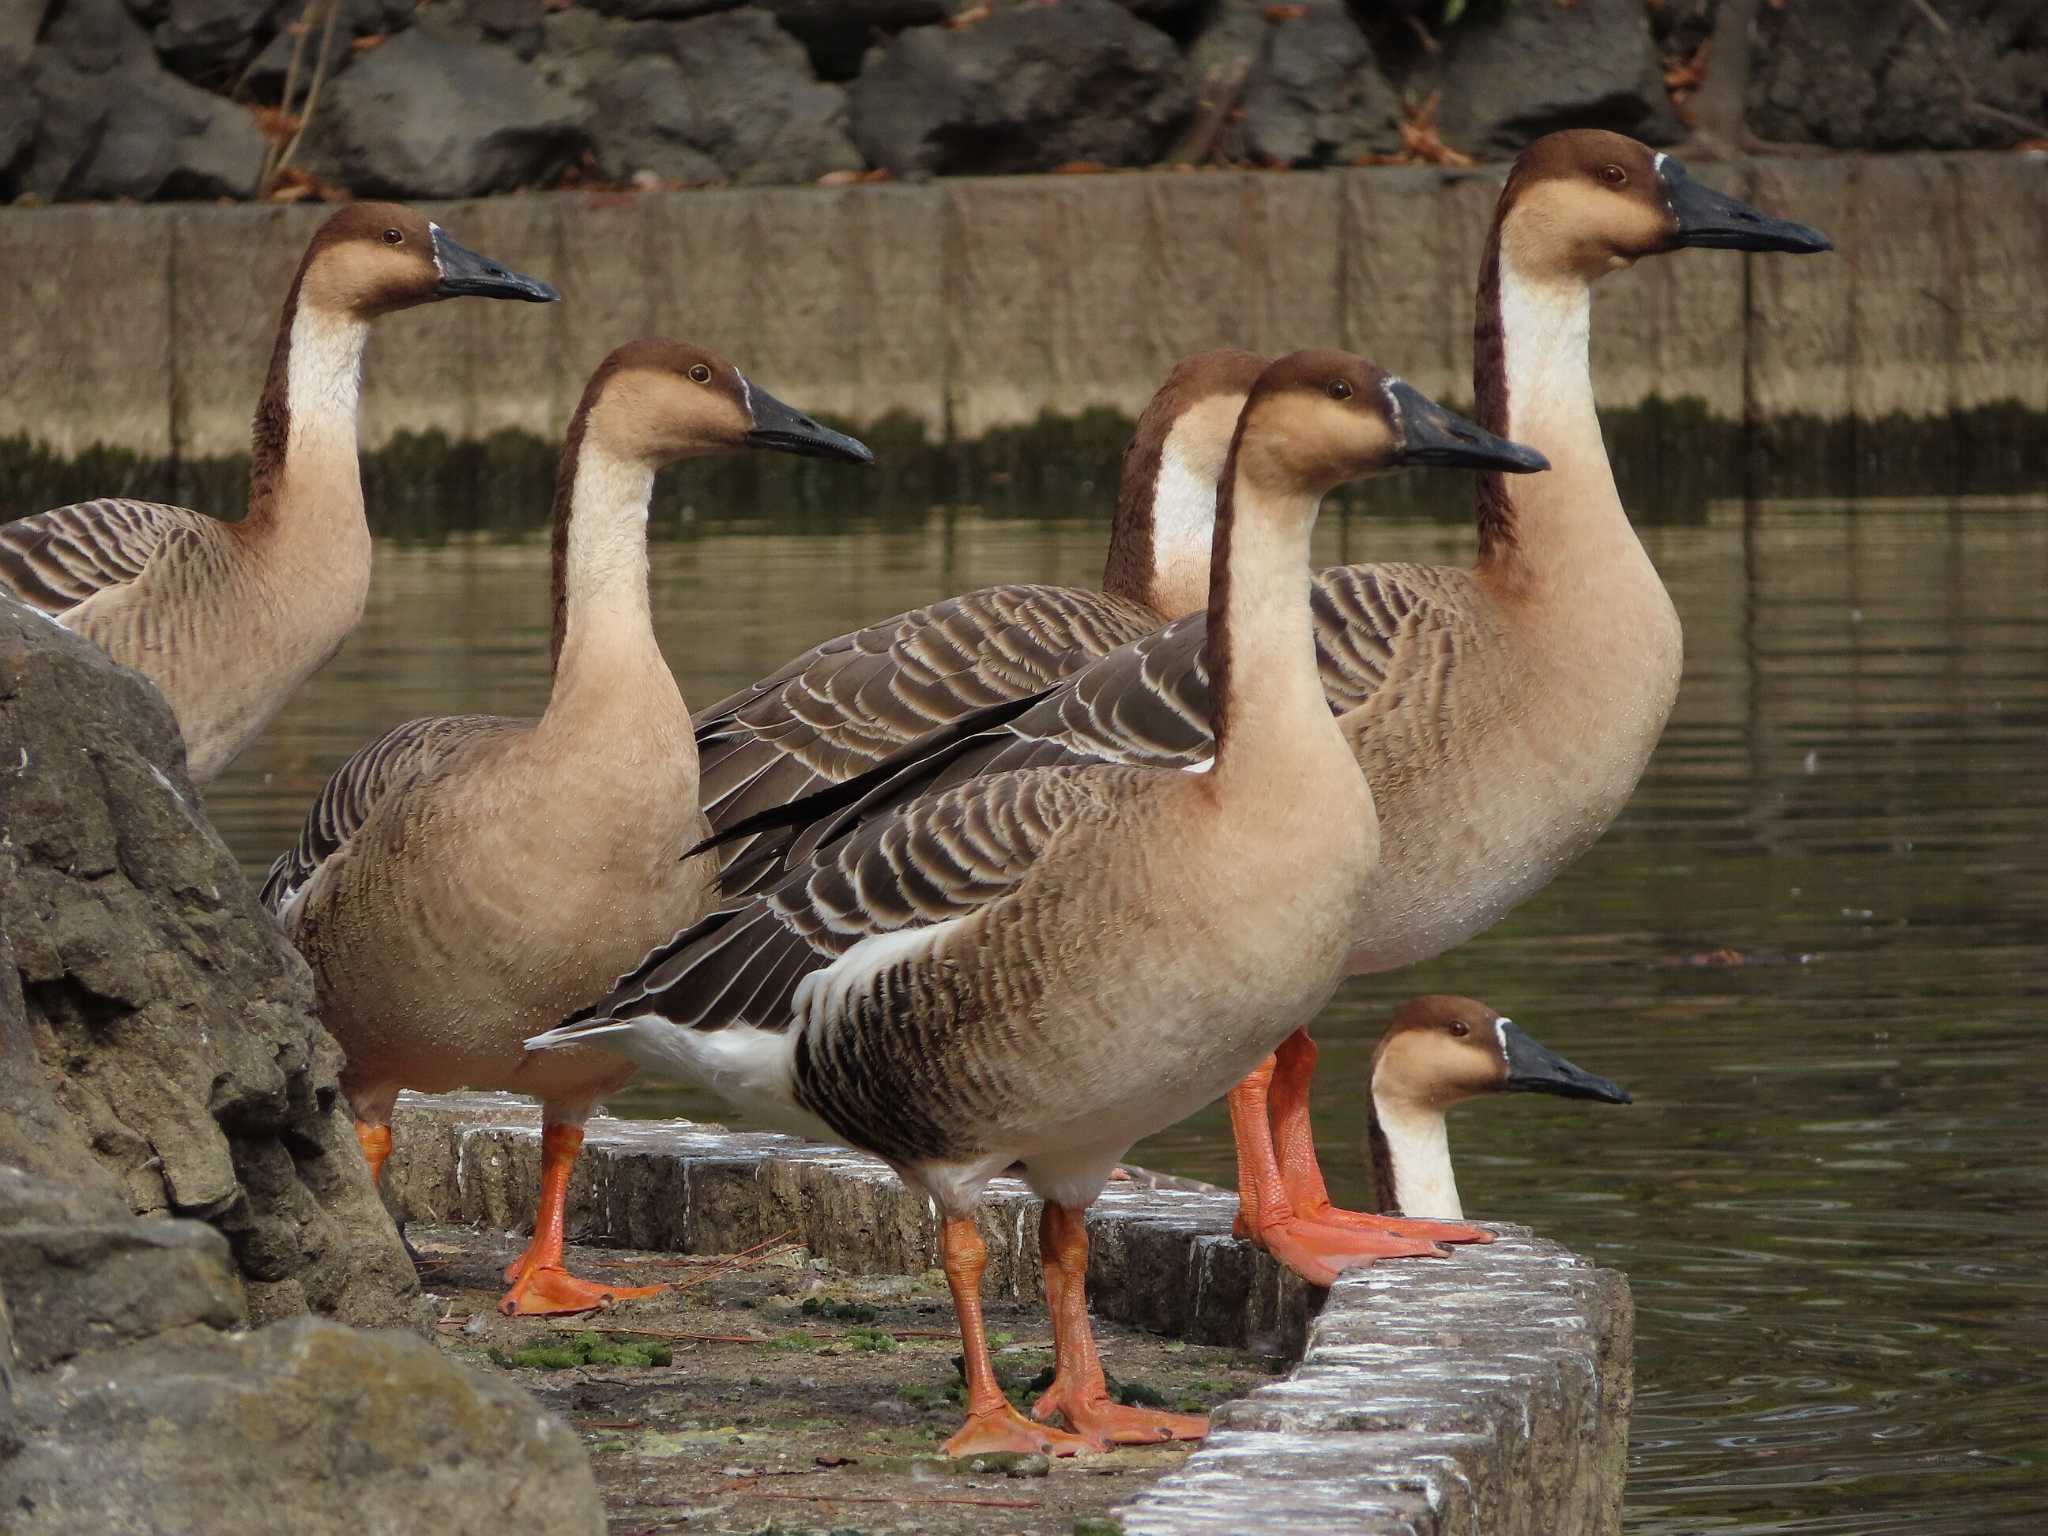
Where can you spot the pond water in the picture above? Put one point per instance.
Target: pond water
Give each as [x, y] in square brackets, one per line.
[1813, 945]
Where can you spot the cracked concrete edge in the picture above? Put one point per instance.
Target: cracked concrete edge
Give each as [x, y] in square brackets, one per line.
[1484, 1393]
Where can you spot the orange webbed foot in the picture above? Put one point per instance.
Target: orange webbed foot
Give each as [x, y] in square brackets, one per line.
[1400, 1226]
[1105, 1422]
[1005, 1429]
[1319, 1254]
[549, 1291]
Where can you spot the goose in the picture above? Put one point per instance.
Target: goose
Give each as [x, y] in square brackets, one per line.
[845, 704]
[1503, 711]
[958, 986]
[468, 879]
[228, 619]
[1437, 1052]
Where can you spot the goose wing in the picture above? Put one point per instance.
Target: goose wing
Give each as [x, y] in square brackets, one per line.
[55, 560]
[861, 909]
[848, 704]
[1144, 704]
[399, 757]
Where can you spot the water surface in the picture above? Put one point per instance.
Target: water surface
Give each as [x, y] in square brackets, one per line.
[1829, 1196]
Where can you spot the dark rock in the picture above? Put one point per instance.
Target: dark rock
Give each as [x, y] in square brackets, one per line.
[349, 1432]
[94, 35]
[208, 41]
[77, 1286]
[729, 97]
[20, 111]
[1883, 76]
[430, 114]
[137, 131]
[20, 23]
[161, 1048]
[1023, 90]
[1316, 95]
[1542, 67]
[265, 78]
[838, 33]
[649, 10]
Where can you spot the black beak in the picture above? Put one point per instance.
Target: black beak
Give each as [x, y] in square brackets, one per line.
[1434, 437]
[1715, 221]
[1534, 1068]
[465, 274]
[784, 429]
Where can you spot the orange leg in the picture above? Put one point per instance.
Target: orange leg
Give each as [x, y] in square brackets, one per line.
[992, 1424]
[1079, 1393]
[540, 1285]
[1294, 1145]
[1265, 1211]
[376, 1144]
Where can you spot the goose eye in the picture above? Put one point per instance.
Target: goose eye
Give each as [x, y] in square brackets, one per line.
[1614, 175]
[700, 373]
[1460, 1028]
[393, 237]
[1339, 390]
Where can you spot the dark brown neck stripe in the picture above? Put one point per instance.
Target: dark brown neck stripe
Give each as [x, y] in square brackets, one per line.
[1384, 1199]
[1490, 389]
[1216, 642]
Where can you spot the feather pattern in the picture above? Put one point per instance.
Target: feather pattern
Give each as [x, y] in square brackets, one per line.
[394, 760]
[55, 560]
[848, 704]
[1145, 703]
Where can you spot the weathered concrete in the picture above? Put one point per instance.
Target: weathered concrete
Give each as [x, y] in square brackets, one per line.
[978, 304]
[1489, 1391]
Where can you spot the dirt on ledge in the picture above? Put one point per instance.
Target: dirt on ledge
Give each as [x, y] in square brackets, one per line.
[796, 1399]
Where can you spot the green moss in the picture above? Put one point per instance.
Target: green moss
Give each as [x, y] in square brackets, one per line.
[794, 1343]
[872, 1340]
[583, 1349]
[838, 1311]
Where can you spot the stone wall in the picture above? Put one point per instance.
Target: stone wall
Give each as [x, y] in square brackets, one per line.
[1489, 1391]
[973, 304]
[170, 99]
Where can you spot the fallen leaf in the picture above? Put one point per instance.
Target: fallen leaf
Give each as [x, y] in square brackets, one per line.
[1079, 168]
[967, 18]
[368, 41]
[1419, 135]
[1276, 14]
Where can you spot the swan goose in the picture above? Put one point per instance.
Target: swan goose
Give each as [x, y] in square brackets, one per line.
[846, 704]
[466, 880]
[1503, 712]
[228, 619]
[958, 987]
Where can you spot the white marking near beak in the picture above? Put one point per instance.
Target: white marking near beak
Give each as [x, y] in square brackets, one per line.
[1500, 1033]
[746, 394]
[434, 248]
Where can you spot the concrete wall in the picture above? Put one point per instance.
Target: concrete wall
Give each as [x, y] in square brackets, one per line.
[973, 304]
[1489, 1391]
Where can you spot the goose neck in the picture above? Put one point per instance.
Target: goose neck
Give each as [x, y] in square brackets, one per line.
[1268, 702]
[1562, 530]
[603, 642]
[305, 481]
[1411, 1159]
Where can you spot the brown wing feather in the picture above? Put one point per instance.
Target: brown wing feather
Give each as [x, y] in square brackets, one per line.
[844, 706]
[398, 757]
[55, 560]
[1144, 704]
[942, 857]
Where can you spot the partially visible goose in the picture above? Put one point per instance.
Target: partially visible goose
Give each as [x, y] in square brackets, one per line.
[1437, 1052]
[1042, 967]
[469, 879]
[844, 705]
[228, 619]
[1502, 712]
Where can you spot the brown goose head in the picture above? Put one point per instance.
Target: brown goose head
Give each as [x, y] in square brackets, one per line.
[660, 401]
[1317, 419]
[1440, 1050]
[1586, 201]
[371, 259]
[1166, 498]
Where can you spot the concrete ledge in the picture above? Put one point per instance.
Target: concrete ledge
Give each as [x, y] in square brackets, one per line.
[971, 305]
[1487, 1392]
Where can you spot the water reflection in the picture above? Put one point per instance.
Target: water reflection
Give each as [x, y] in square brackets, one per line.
[1813, 946]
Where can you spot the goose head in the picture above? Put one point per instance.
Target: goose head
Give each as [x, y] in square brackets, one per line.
[372, 259]
[1588, 201]
[1439, 1051]
[1317, 419]
[1166, 497]
[661, 401]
